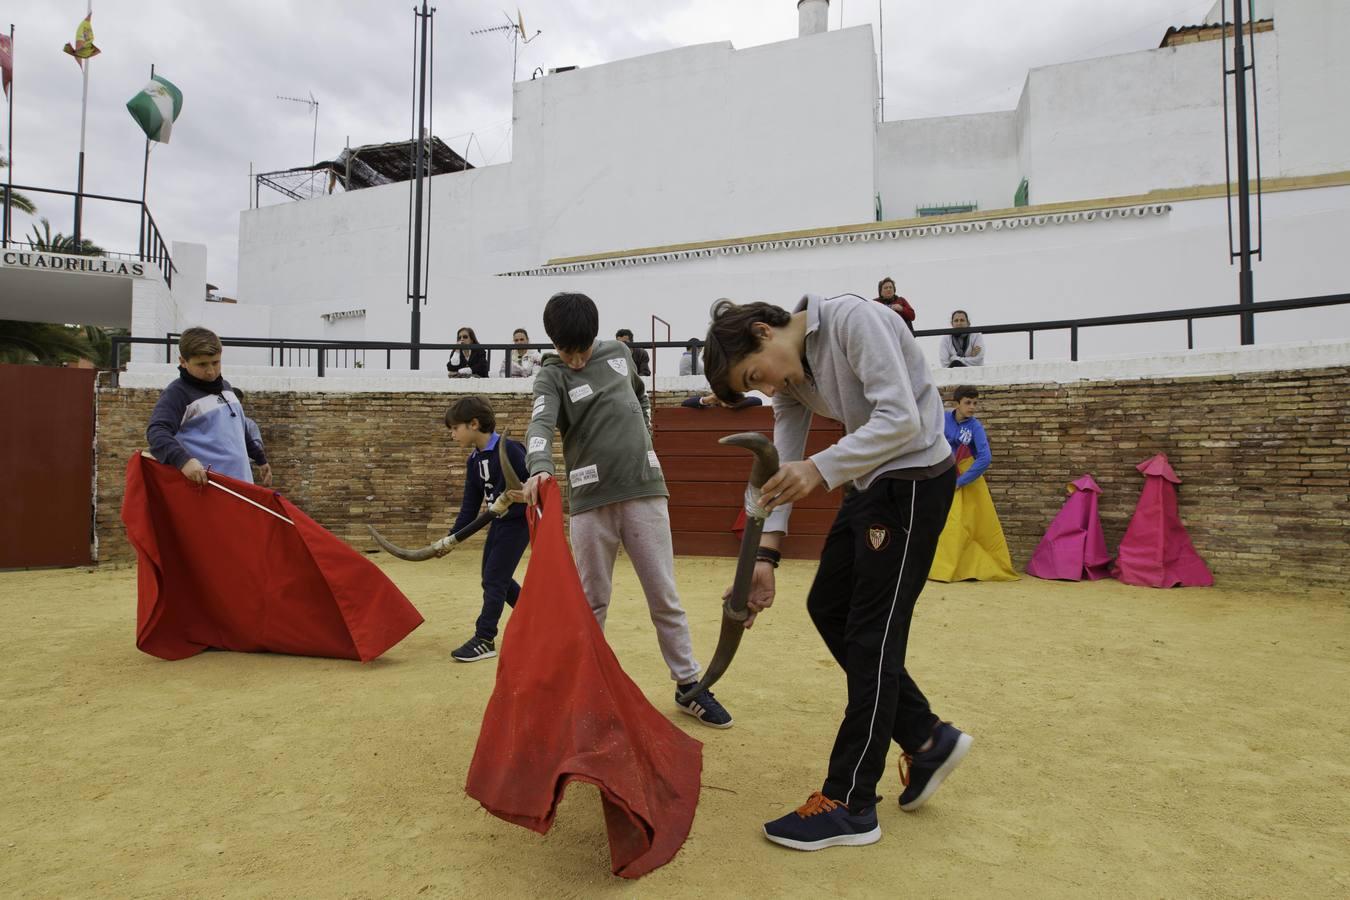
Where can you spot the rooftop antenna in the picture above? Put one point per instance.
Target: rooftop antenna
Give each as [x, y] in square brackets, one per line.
[314, 108]
[515, 31]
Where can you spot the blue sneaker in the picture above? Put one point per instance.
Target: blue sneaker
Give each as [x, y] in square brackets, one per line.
[704, 707]
[474, 649]
[922, 773]
[822, 822]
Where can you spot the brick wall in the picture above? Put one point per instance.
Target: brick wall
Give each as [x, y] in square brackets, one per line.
[1264, 461]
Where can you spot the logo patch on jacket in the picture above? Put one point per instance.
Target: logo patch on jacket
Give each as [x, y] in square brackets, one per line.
[620, 366]
[878, 536]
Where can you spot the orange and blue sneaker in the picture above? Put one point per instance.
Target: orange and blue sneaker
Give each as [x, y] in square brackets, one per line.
[822, 822]
[922, 773]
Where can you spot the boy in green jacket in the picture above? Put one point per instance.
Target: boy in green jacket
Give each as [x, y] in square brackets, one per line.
[592, 393]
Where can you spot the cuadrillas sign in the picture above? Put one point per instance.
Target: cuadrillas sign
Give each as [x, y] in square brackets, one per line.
[60, 262]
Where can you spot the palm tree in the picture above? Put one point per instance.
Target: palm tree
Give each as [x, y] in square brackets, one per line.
[42, 343]
[43, 240]
[20, 202]
[99, 341]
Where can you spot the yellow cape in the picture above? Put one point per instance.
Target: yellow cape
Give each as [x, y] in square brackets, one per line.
[972, 545]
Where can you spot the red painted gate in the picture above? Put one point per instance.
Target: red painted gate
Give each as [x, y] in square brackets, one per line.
[46, 466]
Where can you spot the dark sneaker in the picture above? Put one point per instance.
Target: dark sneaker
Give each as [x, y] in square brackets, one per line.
[474, 649]
[704, 707]
[822, 822]
[922, 773]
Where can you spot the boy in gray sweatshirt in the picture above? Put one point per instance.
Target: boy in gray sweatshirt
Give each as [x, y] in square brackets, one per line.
[592, 393]
[854, 361]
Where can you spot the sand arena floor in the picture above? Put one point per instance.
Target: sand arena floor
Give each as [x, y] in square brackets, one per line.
[1129, 742]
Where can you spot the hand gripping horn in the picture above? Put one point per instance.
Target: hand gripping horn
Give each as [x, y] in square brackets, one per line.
[447, 543]
[735, 610]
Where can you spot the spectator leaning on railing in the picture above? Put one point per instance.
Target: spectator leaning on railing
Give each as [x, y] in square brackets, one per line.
[467, 363]
[960, 350]
[640, 357]
[520, 363]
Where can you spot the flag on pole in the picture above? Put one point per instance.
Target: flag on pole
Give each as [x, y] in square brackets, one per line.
[156, 108]
[6, 61]
[83, 47]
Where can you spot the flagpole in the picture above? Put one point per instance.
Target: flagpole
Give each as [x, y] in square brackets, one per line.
[84, 109]
[145, 177]
[9, 148]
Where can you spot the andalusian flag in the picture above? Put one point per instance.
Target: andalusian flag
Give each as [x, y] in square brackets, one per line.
[83, 48]
[156, 107]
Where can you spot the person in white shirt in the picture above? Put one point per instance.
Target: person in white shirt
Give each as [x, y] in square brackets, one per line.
[960, 350]
[520, 363]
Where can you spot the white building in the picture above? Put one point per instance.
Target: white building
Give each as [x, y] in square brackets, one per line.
[660, 183]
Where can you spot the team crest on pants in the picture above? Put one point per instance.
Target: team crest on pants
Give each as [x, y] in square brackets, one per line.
[879, 536]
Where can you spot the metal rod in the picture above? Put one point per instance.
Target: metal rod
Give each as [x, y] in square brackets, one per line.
[881, 42]
[9, 148]
[145, 178]
[84, 114]
[1190, 334]
[1256, 129]
[1247, 328]
[419, 165]
[1073, 343]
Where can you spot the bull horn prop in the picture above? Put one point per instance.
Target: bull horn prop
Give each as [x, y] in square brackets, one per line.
[736, 610]
[447, 543]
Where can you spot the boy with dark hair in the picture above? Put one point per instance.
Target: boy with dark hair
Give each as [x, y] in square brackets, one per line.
[198, 423]
[472, 423]
[591, 393]
[640, 357]
[961, 428]
[854, 361]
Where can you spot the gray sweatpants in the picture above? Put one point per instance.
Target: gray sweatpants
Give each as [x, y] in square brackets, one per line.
[643, 527]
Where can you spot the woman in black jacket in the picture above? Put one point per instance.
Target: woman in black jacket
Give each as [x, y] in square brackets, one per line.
[467, 363]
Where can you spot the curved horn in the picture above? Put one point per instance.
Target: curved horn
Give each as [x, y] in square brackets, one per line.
[418, 555]
[736, 609]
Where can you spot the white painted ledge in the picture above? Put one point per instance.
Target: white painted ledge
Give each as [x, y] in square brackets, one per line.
[1179, 364]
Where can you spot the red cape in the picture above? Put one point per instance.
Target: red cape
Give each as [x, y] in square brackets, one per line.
[563, 710]
[215, 571]
[1156, 550]
[1074, 547]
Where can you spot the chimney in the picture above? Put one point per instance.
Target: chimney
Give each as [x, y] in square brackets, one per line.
[813, 17]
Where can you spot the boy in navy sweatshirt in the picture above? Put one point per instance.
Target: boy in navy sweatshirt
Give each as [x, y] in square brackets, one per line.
[472, 423]
[199, 423]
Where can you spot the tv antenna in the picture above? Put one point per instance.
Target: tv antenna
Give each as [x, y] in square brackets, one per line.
[314, 108]
[515, 32]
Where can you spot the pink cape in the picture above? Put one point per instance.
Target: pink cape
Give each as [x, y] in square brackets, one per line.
[214, 570]
[1156, 550]
[563, 710]
[1074, 547]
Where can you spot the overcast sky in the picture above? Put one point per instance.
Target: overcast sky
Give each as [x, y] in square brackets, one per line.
[231, 58]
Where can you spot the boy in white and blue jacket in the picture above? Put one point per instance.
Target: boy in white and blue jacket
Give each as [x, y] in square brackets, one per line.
[198, 424]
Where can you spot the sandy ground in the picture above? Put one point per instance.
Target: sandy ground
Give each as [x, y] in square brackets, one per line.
[1128, 742]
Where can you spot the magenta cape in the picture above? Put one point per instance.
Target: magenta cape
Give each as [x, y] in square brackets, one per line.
[563, 710]
[1156, 550]
[1074, 547]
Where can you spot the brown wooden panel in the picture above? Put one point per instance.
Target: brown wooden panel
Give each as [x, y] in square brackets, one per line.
[684, 443]
[729, 495]
[728, 421]
[720, 519]
[702, 543]
[46, 466]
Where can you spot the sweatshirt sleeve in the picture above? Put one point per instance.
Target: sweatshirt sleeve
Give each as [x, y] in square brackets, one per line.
[162, 432]
[478, 363]
[872, 354]
[982, 456]
[791, 425]
[473, 495]
[946, 352]
[253, 442]
[640, 388]
[543, 422]
[515, 454]
[977, 357]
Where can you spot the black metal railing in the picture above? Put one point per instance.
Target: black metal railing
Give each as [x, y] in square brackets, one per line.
[319, 353]
[150, 244]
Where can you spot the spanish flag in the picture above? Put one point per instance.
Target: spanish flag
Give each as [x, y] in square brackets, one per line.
[83, 48]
